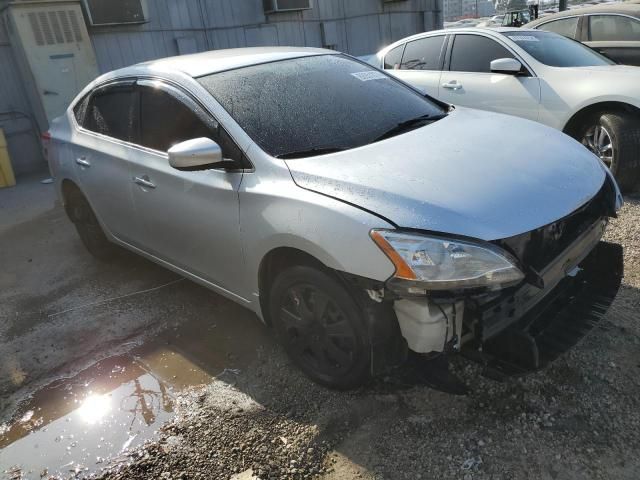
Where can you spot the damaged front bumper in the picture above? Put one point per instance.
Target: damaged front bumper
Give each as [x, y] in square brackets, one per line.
[521, 329]
[525, 330]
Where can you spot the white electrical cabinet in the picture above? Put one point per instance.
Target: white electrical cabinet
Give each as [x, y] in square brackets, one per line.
[54, 52]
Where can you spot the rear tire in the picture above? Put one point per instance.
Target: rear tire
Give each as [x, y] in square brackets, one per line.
[615, 138]
[89, 229]
[321, 327]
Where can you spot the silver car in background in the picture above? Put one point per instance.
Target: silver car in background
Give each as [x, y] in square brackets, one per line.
[357, 217]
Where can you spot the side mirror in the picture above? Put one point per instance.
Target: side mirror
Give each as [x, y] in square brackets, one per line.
[199, 152]
[509, 66]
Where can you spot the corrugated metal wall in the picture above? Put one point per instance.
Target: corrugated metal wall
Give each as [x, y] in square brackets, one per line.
[15, 112]
[176, 27]
[360, 27]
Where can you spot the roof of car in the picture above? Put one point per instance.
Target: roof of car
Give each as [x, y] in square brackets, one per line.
[628, 8]
[199, 64]
[451, 31]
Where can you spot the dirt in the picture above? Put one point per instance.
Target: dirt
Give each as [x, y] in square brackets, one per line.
[238, 409]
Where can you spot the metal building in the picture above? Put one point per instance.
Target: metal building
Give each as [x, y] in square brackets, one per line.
[49, 49]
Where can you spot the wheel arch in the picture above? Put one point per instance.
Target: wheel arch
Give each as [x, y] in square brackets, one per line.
[573, 124]
[388, 346]
[68, 190]
[276, 261]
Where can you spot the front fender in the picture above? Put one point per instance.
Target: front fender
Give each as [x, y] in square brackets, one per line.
[277, 213]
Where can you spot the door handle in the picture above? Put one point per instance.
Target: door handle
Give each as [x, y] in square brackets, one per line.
[452, 85]
[83, 162]
[144, 182]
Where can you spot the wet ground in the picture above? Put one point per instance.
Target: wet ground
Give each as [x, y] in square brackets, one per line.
[73, 424]
[93, 354]
[124, 371]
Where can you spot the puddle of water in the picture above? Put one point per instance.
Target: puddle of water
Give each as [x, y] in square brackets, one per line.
[73, 425]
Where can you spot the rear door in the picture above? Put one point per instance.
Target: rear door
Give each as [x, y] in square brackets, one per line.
[103, 150]
[419, 63]
[191, 218]
[469, 81]
[616, 36]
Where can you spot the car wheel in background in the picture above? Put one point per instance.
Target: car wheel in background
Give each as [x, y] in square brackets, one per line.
[321, 327]
[615, 139]
[89, 229]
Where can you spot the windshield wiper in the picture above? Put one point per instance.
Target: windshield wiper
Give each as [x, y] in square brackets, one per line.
[410, 124]
[311, 152]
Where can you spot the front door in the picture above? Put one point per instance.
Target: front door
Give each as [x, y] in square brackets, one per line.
[469, 81]
[191, 218]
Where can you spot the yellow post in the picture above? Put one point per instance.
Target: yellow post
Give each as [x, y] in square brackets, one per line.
[7, 178]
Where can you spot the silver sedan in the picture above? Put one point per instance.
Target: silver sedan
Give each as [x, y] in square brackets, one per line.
[362, 220]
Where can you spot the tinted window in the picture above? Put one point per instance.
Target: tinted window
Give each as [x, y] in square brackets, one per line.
[80, 110]
[167, 121]
[473, 53]
[564, 26]
[423, 54]
[555, 50]
[603, 28]
[393, 58]
[111, 111]
[323, 102]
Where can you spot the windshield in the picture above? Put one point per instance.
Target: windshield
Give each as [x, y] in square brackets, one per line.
[319, 104]
[557, 51]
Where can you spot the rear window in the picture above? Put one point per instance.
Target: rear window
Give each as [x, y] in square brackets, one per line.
[393, 58]
[324, 102]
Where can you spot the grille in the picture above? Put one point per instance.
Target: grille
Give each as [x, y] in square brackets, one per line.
[536, 249]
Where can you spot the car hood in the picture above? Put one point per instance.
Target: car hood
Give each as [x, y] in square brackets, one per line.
[473, 173]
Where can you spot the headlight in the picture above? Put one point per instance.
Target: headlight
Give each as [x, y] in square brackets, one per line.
[433, 263]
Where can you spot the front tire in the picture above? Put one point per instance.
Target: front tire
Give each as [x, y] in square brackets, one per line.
[615, 138]
[321, 327]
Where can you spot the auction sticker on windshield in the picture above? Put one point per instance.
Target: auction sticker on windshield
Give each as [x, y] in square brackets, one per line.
[370, 75]
[523, 38]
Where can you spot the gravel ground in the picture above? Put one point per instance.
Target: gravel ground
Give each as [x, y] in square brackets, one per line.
[577, 419]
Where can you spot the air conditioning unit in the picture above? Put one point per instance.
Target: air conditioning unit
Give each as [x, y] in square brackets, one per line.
[116, 12]
[272, 6]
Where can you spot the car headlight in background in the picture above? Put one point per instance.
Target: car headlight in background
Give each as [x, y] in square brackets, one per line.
[426, 263]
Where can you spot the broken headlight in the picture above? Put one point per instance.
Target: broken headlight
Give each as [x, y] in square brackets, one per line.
[426, 263]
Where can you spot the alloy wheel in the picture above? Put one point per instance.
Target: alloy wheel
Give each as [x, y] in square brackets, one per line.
[318, 333]
[598, 140]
